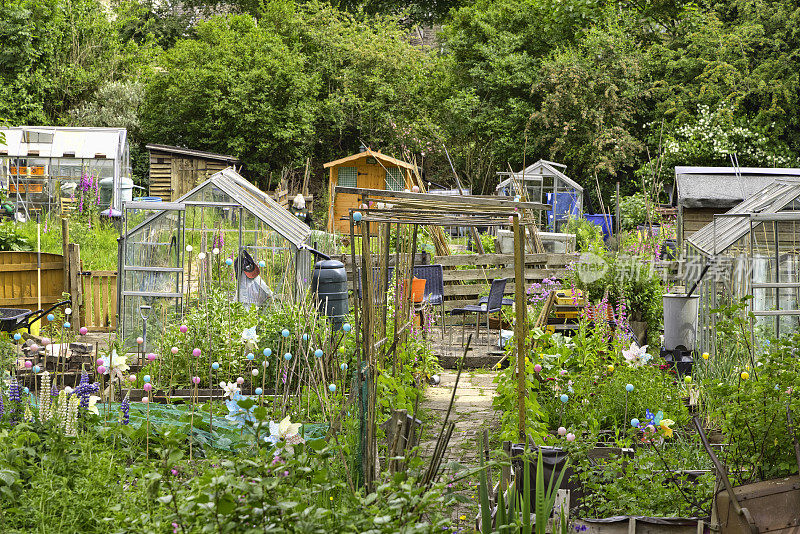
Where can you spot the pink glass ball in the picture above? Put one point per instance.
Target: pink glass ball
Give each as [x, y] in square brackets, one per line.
[34, 348]
[99, 361]
[537, 368]
[240, 380]
[148, 387]
[570, 437]
[102, 369]
[150, 357]
[28, 364]
[196, 352]
[196, 380]
[174, 350]
[184, 329]
[83, 331]
[132, 378]
[45, 341]
[562, 431]
[139, 340]
[145, 400]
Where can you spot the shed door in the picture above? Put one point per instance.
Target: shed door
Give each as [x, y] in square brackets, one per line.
[183, 176]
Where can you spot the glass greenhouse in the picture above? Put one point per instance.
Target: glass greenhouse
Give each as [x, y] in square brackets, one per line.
[224, 236]
[545, 182]
[753, 249]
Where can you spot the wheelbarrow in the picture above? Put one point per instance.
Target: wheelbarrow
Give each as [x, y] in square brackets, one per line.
[768, 506]
[12, 319]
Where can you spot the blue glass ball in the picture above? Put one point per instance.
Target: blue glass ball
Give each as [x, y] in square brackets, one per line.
[357, 216]
[259, 391]
[305, 337]
[67, 325]
[287, 356]
[26, 390]
[318, 353]
[267, 353]
[564, 398]
[343, 367]
[228, 262]
[51, 317]
[285, 333]
[332, 388]
[250, 356]
[215, 366]
[629, 388]
[17, 337]
[146, 378]
[635, 422]
[346, 327]
[262, 264]
[36, 368]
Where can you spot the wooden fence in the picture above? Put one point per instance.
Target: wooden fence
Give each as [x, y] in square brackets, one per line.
[99, 306]
[468, 276]
[18, 280]
[94, 301]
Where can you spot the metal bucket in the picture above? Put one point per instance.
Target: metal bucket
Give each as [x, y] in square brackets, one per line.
[680, 321]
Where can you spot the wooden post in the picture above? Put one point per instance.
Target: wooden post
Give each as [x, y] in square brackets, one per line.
[368, 340]
[65, 249]
[617, 226]
[519, 327]
[75, 289]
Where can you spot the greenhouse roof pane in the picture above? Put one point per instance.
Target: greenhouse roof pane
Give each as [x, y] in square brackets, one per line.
[718, 235]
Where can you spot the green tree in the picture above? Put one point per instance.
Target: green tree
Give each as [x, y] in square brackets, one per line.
[236, 89]
[54, 54]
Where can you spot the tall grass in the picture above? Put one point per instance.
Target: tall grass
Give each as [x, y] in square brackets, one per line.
[98, 243]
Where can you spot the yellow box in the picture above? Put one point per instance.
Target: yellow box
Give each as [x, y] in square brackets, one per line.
[570, 297]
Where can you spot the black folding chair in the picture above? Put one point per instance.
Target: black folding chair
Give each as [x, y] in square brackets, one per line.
[434, 286]
[493, 305]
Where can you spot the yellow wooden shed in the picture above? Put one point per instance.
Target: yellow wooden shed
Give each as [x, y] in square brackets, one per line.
[367, 169]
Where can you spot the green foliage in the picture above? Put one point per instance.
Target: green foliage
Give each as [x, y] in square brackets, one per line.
[12, 239]
[235, 89]
[752, 413]
[634, 211]
[98, 243]
[54, 54]
[588, 236]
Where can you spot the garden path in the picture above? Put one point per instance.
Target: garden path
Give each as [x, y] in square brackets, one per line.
[472, 413]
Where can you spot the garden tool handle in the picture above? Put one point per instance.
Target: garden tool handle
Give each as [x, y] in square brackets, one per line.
[699, 279]
[723, 474]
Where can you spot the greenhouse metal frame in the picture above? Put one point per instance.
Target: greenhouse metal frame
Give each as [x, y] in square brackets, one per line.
[752, 250]
[174, 250]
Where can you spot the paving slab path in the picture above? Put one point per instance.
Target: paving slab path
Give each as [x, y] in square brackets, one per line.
[472, 413]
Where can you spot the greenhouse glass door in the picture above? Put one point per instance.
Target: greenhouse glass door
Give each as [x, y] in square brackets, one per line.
[151, 268]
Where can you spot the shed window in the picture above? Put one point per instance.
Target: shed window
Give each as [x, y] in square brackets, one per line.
[395, 180]
[347, 177]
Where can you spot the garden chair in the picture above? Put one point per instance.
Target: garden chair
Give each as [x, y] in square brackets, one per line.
[494, 304]
[434, 286]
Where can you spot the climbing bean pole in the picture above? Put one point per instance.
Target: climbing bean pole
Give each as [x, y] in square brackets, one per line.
[520, 324]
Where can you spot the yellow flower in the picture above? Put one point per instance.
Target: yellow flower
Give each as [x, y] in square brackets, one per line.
[705, 355]
[745, 375]
[687, 379]
[527, 360]
[610, 368]
[665, 426]
[463, 518]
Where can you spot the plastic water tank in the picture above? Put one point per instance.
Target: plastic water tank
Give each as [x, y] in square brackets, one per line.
[106, 192]
[125, 189]
[329, 285]
[680, 321]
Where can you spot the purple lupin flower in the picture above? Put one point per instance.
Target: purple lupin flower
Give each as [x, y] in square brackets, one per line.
[2, 408]
[125, 407]
[13, 390]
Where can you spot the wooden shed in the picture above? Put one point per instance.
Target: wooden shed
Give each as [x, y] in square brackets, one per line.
[706, 191]
[175, 171]
[367, 169]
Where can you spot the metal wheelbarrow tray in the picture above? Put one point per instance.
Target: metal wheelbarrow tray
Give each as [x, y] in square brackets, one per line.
[15, 318]
[768, 506]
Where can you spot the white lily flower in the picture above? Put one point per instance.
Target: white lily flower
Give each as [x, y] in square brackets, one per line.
[93, 404]
[636, 356]
[115, 362]
[230, 389]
